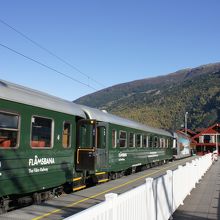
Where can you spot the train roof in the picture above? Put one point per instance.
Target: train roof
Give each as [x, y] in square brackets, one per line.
[99, 115]
[24, 95]
[178, 134]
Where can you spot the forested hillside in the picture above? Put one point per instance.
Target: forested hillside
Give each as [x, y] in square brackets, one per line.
[162, 101]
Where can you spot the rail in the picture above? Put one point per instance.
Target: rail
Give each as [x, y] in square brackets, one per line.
[157, 199]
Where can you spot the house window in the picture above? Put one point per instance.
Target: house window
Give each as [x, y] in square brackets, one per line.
[201, 139]
[207, 138]
[41, 134]
[9, 130]
[212, 139]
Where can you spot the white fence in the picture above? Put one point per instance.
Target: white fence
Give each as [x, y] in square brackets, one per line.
[157, 199]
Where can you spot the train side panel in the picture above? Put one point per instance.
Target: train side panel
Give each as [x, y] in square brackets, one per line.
[130, 147]
[43, 155]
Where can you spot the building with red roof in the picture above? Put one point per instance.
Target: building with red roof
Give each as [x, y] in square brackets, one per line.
[208, 140]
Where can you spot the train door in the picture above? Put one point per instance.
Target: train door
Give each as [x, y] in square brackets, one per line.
[102, 146]
[91, 154]
[86, 145]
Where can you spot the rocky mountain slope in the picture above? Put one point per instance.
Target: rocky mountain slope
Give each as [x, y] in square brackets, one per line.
[162, 101]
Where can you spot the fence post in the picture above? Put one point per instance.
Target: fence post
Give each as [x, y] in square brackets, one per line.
[111, 198]
[189, 179]
[150, 208]
[170, 192]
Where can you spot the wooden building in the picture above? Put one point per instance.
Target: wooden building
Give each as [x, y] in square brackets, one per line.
[208, 140]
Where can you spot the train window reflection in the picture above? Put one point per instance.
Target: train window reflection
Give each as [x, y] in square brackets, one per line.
[9, 130]
[150, 141]
[101, 137]
[66, 135]
[123, 139]
[138, 140]
[168, 143]
[131, 140]
[87, 135]
[162, 143]
[114, 138]
[155, 141]
[41, 135]
[144, 144]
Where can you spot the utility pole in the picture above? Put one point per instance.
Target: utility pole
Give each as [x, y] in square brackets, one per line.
[186, 114]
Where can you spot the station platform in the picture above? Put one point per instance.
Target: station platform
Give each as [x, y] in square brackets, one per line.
[204, 201]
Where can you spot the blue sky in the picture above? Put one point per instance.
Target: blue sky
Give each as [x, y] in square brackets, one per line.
[112, 42]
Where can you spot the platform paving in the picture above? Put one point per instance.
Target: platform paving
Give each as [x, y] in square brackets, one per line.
[204, 201]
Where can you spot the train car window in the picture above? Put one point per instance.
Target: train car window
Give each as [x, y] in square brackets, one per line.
[155, 141]
[131, 142]
[41, 134]
[144, 142]
[101, 137]
[138, 140]
[9, 130]
[114, 138]
[122, 139]
[168, 143]
[162, 143]
[87, 135]
[66, 140]
[150, 141]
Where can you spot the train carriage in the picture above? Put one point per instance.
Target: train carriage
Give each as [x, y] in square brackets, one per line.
[37, 143]
[111, 144]
[48, 145]
[181, 145]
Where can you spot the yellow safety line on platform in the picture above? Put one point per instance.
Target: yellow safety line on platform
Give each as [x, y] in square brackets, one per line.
[101, 193]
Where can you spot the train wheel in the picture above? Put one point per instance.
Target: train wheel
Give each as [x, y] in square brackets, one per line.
[37, 198]
[4, 205]
[113, 176]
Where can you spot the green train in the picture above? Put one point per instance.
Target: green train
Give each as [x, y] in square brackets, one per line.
[117, 146]
[49, 145]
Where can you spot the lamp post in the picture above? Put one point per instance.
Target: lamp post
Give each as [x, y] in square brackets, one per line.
[217, 142]
[186, 114]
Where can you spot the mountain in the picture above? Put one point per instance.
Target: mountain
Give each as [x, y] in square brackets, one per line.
[162, 101]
